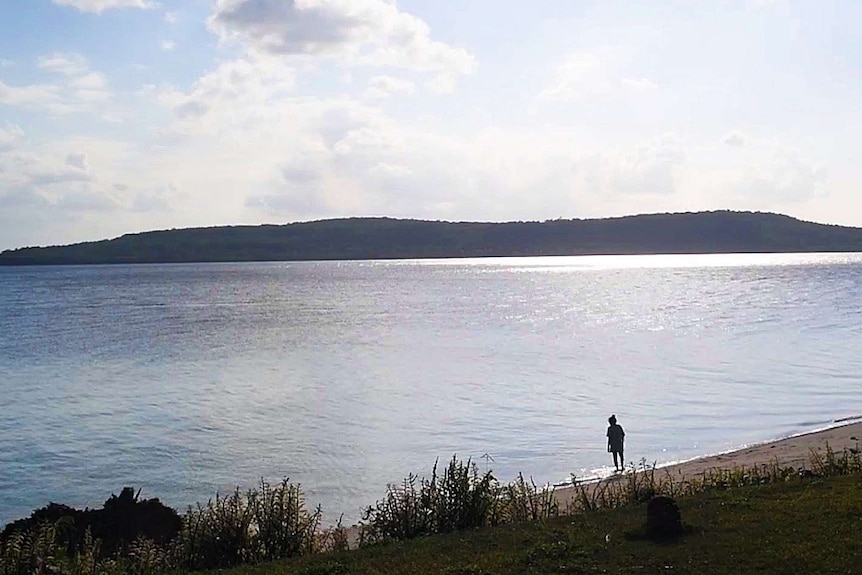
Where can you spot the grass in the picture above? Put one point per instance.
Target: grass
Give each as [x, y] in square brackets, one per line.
[802, 525]
[459, 522]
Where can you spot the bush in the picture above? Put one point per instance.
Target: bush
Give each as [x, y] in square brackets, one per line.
[264, 524]
[459, 499]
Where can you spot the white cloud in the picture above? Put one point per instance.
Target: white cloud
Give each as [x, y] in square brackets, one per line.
[735, 138]
[76, 89]
[90, 81]
[777, 176]
[168, 45]
[639, 84]
[385, 86]
[369, 32]
[46, 96]
[649, 168]
[48, 186]
[10, 136]
[87, 200]
[78, 161]
[387, 170]
[580, 73]
[97, 6]
[171, 17]
[239, 89]
[286, 155]
[47, 173]
[587, 73]
[67, 64]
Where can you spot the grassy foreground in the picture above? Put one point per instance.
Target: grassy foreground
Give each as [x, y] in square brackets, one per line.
[741, 520]
[811, 525]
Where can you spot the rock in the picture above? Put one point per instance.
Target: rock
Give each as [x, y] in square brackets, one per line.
[663, 517]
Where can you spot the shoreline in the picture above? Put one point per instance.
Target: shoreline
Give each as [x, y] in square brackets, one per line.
[794, 451]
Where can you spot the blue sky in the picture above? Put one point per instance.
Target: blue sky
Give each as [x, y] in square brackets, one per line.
[120, 116]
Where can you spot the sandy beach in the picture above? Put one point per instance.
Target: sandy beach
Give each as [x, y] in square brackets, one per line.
[790, 452]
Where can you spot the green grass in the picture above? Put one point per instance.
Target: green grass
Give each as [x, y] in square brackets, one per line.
[795, 526]
[741, 520]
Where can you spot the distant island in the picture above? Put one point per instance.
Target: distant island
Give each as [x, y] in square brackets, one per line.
[388, 238]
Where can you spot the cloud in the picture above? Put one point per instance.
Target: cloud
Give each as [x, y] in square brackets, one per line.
[581, 72]
[381, 87]
[90, 81]
[52, 185]
[286, 155]
[57, 180]
[76, 89]
[152, 202]
[168, 45]
[67, 64]
[87, 200]
[778, 176]
[735, 138]
[59, 174]
[10, 137]
[367, 32]
[243, 88]
[171, 17]
[48, 96]
[650, 167]
[77, 161]
[639, 84]
[586, 73]
[97, 6]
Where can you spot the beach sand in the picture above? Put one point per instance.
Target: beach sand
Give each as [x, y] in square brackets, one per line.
[791, 452]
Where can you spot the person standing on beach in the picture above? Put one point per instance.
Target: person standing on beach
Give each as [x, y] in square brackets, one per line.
[616, 437]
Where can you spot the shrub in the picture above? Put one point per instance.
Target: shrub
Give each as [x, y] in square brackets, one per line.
[267, 523]
[458, 499]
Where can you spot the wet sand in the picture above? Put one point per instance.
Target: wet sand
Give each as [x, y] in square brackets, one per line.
[791, 452]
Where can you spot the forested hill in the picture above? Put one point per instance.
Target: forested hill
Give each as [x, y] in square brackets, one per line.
[385, 238]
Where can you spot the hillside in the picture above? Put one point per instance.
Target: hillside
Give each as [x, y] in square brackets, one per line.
[385, 238]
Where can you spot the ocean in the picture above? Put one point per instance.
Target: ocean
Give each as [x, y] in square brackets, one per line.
[185, 380]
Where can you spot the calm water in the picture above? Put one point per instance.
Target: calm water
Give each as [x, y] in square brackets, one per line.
[187, 379]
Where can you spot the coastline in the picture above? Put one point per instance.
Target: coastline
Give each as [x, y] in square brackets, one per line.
[794, 451]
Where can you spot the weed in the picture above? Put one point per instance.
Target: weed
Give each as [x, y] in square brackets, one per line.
[522, 501]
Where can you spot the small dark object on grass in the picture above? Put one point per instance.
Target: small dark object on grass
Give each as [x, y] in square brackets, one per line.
[663, 518]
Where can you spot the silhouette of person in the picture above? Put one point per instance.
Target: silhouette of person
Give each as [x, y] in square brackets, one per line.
[616, 436]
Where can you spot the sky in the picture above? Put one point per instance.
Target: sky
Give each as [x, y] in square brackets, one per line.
[121, 116]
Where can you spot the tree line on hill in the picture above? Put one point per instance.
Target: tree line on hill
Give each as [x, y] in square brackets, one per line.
[388, 238]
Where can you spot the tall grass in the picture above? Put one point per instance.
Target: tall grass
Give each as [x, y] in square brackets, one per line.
[40, 551]
[522, 501]
[270, 522]
[457, 500]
